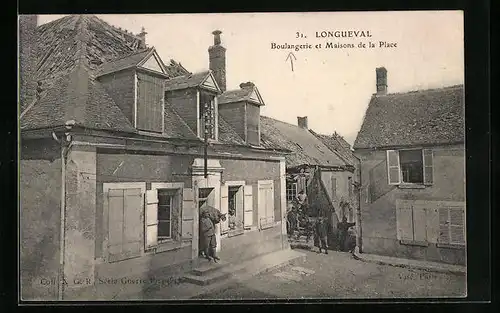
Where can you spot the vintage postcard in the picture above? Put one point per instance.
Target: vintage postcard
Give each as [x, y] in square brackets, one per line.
[242, 156]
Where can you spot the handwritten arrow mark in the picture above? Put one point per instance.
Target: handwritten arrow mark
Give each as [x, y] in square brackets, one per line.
[291, 56]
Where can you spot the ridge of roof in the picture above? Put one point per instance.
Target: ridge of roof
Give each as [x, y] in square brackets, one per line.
[420, 91]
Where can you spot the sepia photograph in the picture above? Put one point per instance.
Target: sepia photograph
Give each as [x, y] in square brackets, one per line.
[242, 156]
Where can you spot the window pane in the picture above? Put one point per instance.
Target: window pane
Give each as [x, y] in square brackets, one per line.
[163, 229]
[411, 166]
[164, 212]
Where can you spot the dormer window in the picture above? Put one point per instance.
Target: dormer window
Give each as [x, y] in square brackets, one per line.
[207, 115]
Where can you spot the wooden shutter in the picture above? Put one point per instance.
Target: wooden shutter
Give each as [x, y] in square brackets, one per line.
[428, 162]
[419, 223]
[457, 225]
[261, 209]
[270, 203]
[248, 205]
[133, 221]
[115, 224]
[125, 223]
[404, 221]
[334, 188]
[432, 223]
[224, 205]
[393, 169]
[444, 225]
[149, 102]
[151, 218]
[188, 211]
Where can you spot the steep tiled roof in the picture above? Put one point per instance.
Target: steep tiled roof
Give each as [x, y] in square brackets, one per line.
[227, 134]
[175, 126]
[122, 63]
[76, 96]
[337, 144]
[306, 148]
[186, 81]
[434, 116]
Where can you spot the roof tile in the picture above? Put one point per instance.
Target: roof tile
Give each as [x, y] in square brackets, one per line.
[433, 116]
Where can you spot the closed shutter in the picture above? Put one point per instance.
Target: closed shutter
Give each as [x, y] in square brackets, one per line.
[149, 102]
[444, 225]
[248, 205]
[419, 223]
[261, 210]
[428, 161]
[188, 211]
[457, 225]
[432, 224]
[151, 218]
[224, 203]
[404, 221]
[270, 203]
[334, 188]
[125, 223]
[115, 227]
[393, 169]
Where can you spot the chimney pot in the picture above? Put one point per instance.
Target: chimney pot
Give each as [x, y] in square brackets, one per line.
[302, 122]
[217, 40]
[217, 60]
[247, 85]
[142, 37]
[381, 75]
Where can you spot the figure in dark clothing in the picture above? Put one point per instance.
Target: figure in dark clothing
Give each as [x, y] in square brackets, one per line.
[343, 228]
[321, 234]
[207, 229]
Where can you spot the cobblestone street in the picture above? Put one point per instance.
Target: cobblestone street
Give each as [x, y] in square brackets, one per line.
[338, 275]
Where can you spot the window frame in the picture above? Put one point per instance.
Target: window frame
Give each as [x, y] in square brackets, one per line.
[291, 191]
[401, 183]
[177, 189]
[200, 114]
[172, 197]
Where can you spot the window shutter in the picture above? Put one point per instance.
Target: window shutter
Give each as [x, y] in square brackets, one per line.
[404, 221]
[334, 188]
[133, 222]
[151, 218]
[393, 170]
[419, 223]
[224, 205]
[432, 224]
[188, 211]
[428, 161]
[248, 205]
[115, 224]
[457, 225]
[444, 228]
[270, 203]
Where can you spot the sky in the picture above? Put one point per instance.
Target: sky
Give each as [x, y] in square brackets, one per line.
[332, 87]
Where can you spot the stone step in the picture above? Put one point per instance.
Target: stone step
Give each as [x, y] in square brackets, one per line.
[207, 278]
[207, 268]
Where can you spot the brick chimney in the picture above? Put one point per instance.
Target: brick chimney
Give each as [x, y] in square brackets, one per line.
[381, 74]
[302, 122]
[27, 59]
[217, 60]
[142, 37]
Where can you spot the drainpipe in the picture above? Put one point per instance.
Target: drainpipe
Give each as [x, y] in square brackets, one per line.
[359, 241]
[65, 143]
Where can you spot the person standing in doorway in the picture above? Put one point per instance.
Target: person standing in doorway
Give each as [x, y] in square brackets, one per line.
[343, 228]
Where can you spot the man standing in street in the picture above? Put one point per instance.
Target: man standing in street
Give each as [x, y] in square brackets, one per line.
[208, 232]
